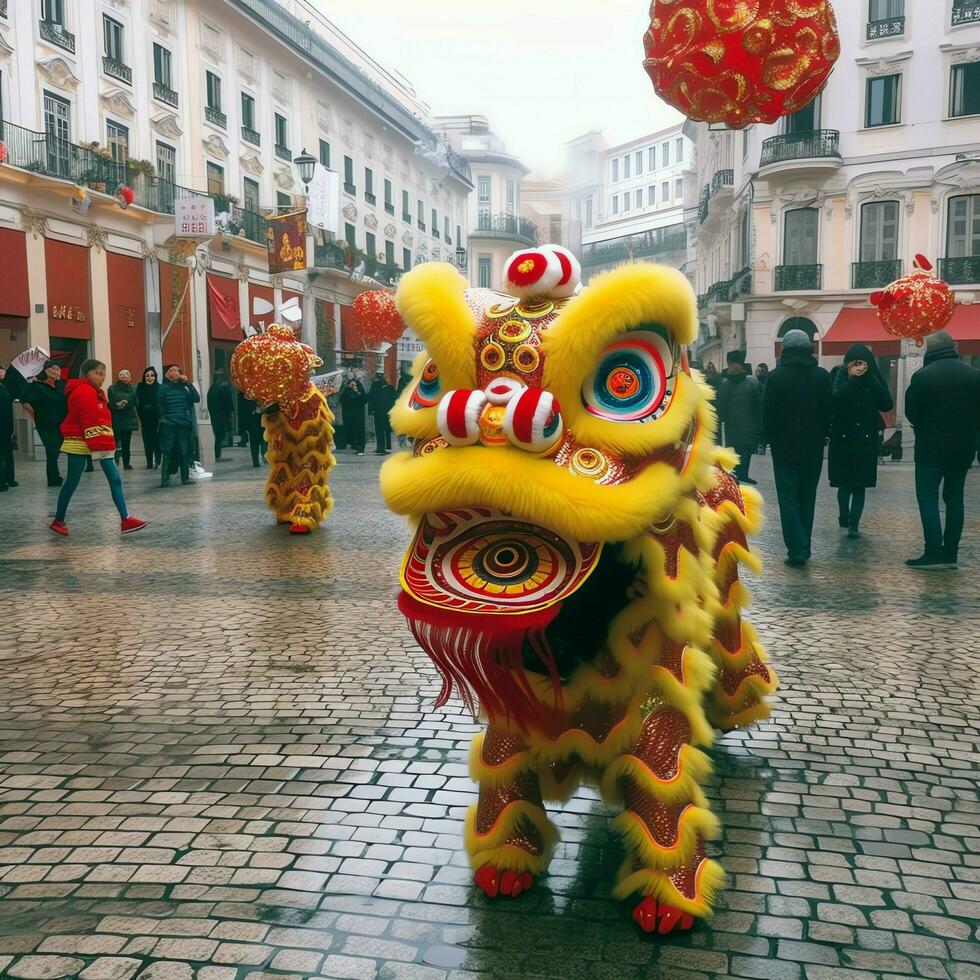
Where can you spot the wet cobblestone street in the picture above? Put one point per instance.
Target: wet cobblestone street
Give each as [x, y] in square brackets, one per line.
[219, 760]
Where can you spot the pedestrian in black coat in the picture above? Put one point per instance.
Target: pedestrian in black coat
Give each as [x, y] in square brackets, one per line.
[221, 408]
[46, 397]
[178, 422]
[352, 402]
[381, 400]
[739, 405]
[943, 404]
[860, 395]
[796, 418]
[122, 405]
[6, 435]
[148, 409]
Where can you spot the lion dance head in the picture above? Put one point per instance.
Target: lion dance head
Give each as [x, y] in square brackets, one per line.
[274, 368]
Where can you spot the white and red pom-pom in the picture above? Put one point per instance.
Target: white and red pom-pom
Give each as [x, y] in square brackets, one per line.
[571, 272]
[532, 420]
[548, 272]
[458, 416]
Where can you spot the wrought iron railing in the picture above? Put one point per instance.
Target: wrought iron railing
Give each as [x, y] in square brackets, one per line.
[723, 178]
[56, 34]
[284, 153]
[728, 290]
[790, 278]
[215, 116]
[252, 136]
[965, 12]
[421, 225]
[961, 271]
[164, 93]
[252, 224]
[116, 69]
[651, 243]
[801, 146]
[389, 209]
[872, 275]
[331, 256]
[703, 205]
[407, 216]
[506, 224]
[370, 198]
[889, 27]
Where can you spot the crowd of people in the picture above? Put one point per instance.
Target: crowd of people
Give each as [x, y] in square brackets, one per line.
[800, 411]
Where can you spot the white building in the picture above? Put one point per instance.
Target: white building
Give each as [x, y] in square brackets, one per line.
[200, 98]
[800, 221]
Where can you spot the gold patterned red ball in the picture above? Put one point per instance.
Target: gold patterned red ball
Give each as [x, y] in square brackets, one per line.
[376, 318]
[272, 368]
[915, 306]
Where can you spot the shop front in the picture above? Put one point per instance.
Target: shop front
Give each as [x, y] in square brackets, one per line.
[69, 304]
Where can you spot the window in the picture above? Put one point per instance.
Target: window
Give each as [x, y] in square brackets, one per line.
[117, 139]
[665, 192]
[805, 120]
[881, 106]
[627, 200]
[250, 199]
[445, 228]
[800, 236]
[588, 213]
[483, 280]
[885, 9]
[389, 196]
[652, 162]
[459, 234]
[163, 72]
[435, 223]
[406, 208]
[112, 33]
[615, 204]
[679, 150]
[57, 126]
[166, 163]
[369, 185]
[283, 200]
[511, 190]
[370, 245]
[652, 196]
[389, 253]
[325, 154]
[665, 155]
[639, 162]
[214, 91]
[482, 191]
[420, 214]
[963, 228]
[879, 231]
[679, 189]
[248, 111]
[639, 197]
[626, 167]
[350, 235]
[282, 130]
[53, 11]
[965, 90]
[406, 259]
[615, 170]
[744, 241]
[349, 176]
[216, 179]
[745, 142]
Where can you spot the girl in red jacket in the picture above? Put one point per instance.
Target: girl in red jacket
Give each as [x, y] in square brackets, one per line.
[87, 429]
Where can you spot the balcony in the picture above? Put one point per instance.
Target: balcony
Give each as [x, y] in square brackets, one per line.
[506, 226]
[284, 153]
[116, 69]
[648, 245]
[965, 12]
[964, 271]
[406, 217]
[723, 178]
[56, 34]
[370, 198]
[816, 150]
[421, 225]
[215, 116]
[389, 208]
[332, 256]
[350, 188]
[703, 205]
[164, 93]
[795, 278]
[252, 136]
[435, 232]
[889, 27]
[874, 275]
[728, 290]
[252, 224]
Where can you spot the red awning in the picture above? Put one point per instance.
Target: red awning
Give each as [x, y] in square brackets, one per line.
[860, 326]
[965, 328]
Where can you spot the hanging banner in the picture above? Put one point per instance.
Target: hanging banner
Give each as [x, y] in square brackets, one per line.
[323, 201]
[286, 241]
[194, 217]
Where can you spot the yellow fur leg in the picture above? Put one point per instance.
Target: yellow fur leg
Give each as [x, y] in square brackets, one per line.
[695, 822]
[694, 769]
[493, 847]
[494, 776]
[647, 881]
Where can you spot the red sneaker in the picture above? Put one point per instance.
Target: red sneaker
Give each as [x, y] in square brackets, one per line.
[59, 527]
[131, 524]
[298, 529]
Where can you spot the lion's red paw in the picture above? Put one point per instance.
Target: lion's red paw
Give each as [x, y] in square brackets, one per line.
[494, 882]
[653, 916]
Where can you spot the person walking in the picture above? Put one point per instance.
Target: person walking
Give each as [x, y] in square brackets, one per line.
[177, 399]
[221, 408]
[740, 409]
[122, 404]
[148, 409]
[250, 422]
[45, 396]
[352, 401]
[762, 376]
[381, 400]
[87, 432]
[712, 377]
[796, 418]
[6, 435]
[859, 395]
[943, 404]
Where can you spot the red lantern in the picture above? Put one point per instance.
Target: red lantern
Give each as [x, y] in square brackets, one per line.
[3, 152]
[125, 196]
[915, 305]
[740, 61]
[376, 318]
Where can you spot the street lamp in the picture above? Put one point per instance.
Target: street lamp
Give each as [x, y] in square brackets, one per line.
[306, 165]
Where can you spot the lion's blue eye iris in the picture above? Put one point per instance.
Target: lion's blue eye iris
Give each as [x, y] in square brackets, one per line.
[633, 380]
[428, 391]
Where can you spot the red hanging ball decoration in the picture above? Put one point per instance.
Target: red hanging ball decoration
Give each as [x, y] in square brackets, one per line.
[273, 368]
[3, 152]
[915, 305]
[376, 318]
[740, 62]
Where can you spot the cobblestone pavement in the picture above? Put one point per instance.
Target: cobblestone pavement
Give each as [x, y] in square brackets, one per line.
[218, 760]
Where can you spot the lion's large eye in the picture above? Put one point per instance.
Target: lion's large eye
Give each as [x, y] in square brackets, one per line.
[428, 391]
[634, 379]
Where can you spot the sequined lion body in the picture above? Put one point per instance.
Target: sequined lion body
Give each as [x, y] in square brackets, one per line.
[574, 573]
[273, 369]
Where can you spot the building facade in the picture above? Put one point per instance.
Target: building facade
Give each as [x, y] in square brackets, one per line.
[797, 223]
[200, 98]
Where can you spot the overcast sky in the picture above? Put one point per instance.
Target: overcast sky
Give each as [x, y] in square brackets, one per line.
[543, 71]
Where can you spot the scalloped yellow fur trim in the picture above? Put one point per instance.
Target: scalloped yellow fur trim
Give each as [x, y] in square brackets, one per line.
[695, 822]
[710, 880]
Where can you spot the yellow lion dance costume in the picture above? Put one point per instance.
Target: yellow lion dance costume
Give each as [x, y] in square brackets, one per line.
[574, 572]
[273, 369]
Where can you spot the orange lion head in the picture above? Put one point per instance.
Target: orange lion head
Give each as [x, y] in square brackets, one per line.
[274, 368]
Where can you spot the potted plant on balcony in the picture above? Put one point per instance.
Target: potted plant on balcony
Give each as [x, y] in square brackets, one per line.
[97, 175]
[139, 168]
[223, 203]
